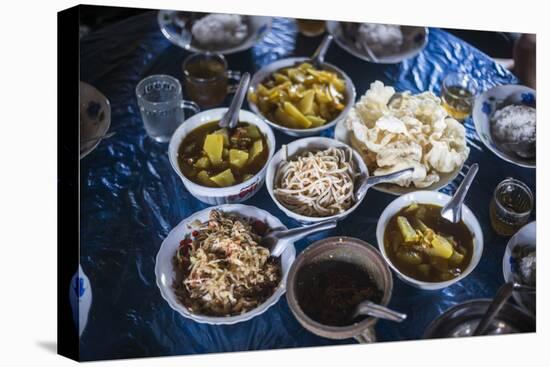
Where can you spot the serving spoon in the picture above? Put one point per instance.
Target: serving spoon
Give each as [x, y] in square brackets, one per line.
[231, 117]
[452, 211]
[375, 180]
[318, 58]
[278, 240]
[503, 293]
[369, 308]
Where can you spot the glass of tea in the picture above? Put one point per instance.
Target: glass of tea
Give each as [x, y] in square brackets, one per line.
[311, 27]
[207, 78]
[161, 105]
[458, 93]
[511, 206]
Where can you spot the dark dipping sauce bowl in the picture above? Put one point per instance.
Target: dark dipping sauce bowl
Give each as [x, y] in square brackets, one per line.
[324, 306]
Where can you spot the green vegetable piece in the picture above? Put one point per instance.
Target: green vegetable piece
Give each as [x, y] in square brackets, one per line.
[306, 103]
[316, 121]
[224, 178]
[213, 146]
[202, 163]
[204, 179]
[440, 247]
[280, 78]
[407, 231]
[223, 132]
[247, 177]
[456, 258]
[296, 115]
[252, 132]
[238, 158]
[410, 257]
[256, 149]
[411, 208]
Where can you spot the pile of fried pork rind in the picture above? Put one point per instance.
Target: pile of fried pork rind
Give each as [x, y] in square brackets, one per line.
[412, 131]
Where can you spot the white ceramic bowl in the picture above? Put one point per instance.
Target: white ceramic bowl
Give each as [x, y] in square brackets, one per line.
[436, 198]
[303, 145]
[527, 235]
[265, 73]
[164, 269]
[220, 195]
[490, 101]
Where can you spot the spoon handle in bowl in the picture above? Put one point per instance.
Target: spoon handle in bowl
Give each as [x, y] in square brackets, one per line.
[291, 235]
[318, 57]
[453, 209]
[375, 180]
[369, 308]
[296, 234]
[231, 117]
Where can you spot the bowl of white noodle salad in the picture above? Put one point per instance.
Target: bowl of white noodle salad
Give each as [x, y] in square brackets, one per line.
[211, 267]
[316, 179]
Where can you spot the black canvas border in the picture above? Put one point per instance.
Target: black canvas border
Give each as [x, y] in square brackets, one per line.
[68, 158]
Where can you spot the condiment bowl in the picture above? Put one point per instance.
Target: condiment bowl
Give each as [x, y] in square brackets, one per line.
[303, 145]
[265, 73]
[485, 106]
[220, 195]
[434, 198]
[165, 274]
[526, 236]
[349, 250]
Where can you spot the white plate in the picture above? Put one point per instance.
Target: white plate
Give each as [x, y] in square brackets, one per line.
[415, 39]
[164, 269]
[527, 235]
[173, 29]
[95, 117]
[342, 134]
[484, 107]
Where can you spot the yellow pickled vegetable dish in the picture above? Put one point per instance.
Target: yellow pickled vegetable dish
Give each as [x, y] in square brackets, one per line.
[301, 97]
[214, 157]
[425, 246]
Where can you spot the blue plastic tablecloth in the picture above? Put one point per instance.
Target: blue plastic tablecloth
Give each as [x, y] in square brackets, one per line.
[131, 198]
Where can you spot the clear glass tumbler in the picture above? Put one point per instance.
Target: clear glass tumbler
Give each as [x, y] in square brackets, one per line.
[162, 106]
[511, 206]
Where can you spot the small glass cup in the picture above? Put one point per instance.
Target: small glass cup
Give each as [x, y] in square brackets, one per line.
[161, 105]
[458, 93]
[311, 27]
[511, 206]
[206, 78]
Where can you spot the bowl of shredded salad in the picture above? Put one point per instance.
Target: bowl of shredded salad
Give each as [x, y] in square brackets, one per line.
[212, 269]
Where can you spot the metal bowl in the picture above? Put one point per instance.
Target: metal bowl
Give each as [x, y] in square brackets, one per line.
[415, 39]
[173, 28]
[264, 73]
[462, 319]
[350, 250]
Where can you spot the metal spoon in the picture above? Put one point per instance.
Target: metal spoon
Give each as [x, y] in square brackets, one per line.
[231, 117]
[503, 293]
[369, 308]
[375, 180]
[105, 136]
[278, 240]
[318, 58]
[452, 211]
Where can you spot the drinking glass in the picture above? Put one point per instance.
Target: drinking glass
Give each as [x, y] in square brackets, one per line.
[161, 105]
[206, 78]
[511, 206]
[458, 93]
[311, 27]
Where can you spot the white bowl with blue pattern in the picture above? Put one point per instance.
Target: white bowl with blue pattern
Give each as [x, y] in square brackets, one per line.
[494, 99]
